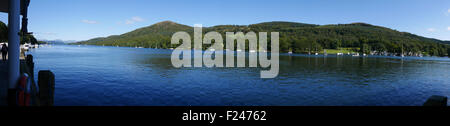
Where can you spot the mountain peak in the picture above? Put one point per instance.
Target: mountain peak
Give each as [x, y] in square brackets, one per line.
[165, 23]
[361, 24]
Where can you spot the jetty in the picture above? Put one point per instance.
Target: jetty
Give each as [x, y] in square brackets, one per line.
[17, 83]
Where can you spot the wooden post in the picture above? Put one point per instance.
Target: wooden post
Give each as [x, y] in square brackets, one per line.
[30, 63]
[436, 101]
[46, 82]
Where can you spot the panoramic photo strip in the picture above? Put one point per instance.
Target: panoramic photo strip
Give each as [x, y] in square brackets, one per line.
[224, 61]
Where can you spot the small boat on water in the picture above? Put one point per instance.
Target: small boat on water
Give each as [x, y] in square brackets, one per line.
[26, 46]
[252, 51]
[239, 50]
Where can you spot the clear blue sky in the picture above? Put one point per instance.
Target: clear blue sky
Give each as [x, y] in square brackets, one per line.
[86, 19]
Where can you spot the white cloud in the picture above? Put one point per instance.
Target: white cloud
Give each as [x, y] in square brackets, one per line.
[134, 20]
[431, 29]
[137, 19]
[448, 11]
[448, 28]
[129, 22]
[89, 22]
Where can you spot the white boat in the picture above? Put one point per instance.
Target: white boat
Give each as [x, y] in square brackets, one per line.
[26, 46]
[252, 51]
[239, 50]
[317, 54]
[357, 54]
[212, 49]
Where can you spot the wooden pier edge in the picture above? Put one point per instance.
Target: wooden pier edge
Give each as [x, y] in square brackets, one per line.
[46, 82]
[42, 93]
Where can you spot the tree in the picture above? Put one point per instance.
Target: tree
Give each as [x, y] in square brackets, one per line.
[363, 46]
[448, 52]
[3, 32]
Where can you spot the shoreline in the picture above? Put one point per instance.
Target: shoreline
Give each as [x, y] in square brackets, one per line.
[289, 54]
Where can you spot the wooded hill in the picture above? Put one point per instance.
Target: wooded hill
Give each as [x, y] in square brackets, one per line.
[295, 37]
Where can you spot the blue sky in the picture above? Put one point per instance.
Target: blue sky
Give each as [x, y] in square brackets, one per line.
[86, 19]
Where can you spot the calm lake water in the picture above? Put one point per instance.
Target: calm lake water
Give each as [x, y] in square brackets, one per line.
[121, 76]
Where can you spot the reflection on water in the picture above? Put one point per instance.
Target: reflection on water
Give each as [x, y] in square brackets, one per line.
[91, 75]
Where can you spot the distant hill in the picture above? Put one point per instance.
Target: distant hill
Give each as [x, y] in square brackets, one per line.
[58, 41]
[296, 37]
[157, 35]
[446, 42]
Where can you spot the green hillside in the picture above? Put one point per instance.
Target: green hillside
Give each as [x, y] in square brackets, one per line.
[296, 37]
[4, 35]
[154, 36]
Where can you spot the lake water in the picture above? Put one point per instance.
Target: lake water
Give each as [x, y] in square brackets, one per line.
[121, 76]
